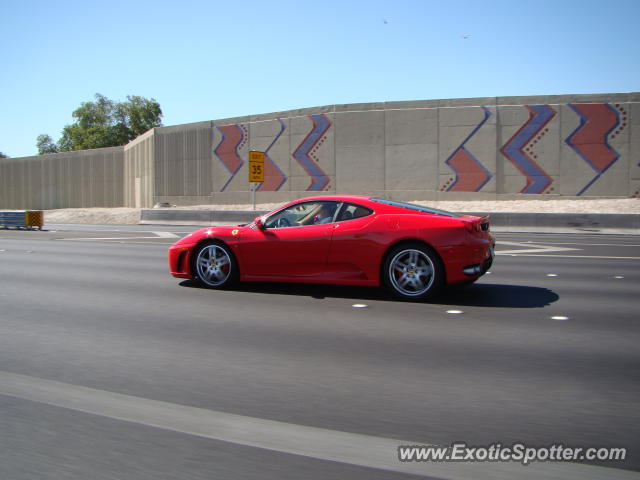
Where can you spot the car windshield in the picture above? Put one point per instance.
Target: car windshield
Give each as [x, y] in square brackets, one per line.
[417, 208]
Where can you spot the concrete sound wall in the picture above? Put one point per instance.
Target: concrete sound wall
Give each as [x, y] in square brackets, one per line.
[505, 147]
[91, 178]
[139, 171]
[183, 163]
[571, 145]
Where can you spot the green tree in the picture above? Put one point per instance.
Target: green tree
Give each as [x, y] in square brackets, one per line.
[46, 144]
[137, 115]
[105, 123]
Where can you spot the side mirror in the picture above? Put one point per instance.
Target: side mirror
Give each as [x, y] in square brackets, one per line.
[258, 223]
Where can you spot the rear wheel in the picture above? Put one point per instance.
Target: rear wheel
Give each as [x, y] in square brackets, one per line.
[413, 272]
[215, 266]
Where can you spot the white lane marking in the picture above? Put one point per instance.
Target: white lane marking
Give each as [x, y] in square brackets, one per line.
[593, 244]
[573, 256]
[136, 243]
[102, 238]
[112, 240]
[561, 318]
[156, 235]
[551, 236]
[454, 312]
[359, 305]
[320, 443]
[166, 234]
[527, 248]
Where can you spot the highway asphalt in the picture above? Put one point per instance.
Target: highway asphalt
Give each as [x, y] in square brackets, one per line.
[112, 369]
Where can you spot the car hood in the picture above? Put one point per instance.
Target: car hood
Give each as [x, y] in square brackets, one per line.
[226, 233]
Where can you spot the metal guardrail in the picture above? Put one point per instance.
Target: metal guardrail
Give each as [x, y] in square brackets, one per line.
[29, 219]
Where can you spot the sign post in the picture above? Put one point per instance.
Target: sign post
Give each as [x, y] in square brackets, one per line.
[256, 173]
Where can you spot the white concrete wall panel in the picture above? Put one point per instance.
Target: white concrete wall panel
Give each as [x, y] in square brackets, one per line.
[634, 149]
[230, 150]
[184, 160]
[529, 137]
[140, 171]
[64, 180]
[597, 162]
[411, 167]
[360, 169]
[409, 127]
[467, 149]
[360, 151]
[312, 146]
[411, 150]
[272, 138]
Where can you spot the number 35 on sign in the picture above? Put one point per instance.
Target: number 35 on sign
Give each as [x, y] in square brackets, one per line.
[256, 167]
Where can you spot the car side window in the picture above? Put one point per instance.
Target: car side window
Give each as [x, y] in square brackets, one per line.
[303, 214]
[325, 213]
[351, 211]
[289, 217]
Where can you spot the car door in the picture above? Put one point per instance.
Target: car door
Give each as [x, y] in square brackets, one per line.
[293, 243]
[355, 247]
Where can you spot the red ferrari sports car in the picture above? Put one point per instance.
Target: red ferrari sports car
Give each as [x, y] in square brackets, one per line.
[342, 239]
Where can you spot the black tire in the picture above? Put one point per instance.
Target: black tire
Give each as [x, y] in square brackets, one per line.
[214, 265]
[413, 271]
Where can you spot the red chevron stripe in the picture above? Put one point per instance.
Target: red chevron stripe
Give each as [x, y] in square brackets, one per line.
[591, 139]
[226, 151]
[471, 175]
[273, 177]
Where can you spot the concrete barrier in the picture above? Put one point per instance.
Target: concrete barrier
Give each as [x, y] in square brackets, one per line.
[197, 217]
[505, 221]
[584, 221]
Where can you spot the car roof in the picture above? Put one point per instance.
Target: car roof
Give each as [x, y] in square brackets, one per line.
[376, 204]
[364, 200]
[339, 198]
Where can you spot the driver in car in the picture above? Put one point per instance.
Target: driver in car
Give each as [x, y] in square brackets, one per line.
[325, 215]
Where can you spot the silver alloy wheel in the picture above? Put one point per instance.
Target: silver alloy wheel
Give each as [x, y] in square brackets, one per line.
[411, 272]
[213, 265]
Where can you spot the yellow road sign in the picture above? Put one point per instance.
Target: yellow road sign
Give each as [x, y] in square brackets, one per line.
[256, 166]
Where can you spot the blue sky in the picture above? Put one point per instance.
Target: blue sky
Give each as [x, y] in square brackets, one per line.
[206, 60]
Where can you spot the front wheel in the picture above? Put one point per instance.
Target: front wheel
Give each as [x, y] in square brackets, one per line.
[413, 272]
[214, 265]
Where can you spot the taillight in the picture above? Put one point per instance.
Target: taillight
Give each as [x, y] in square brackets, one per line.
[472, 227]
[475, 225]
